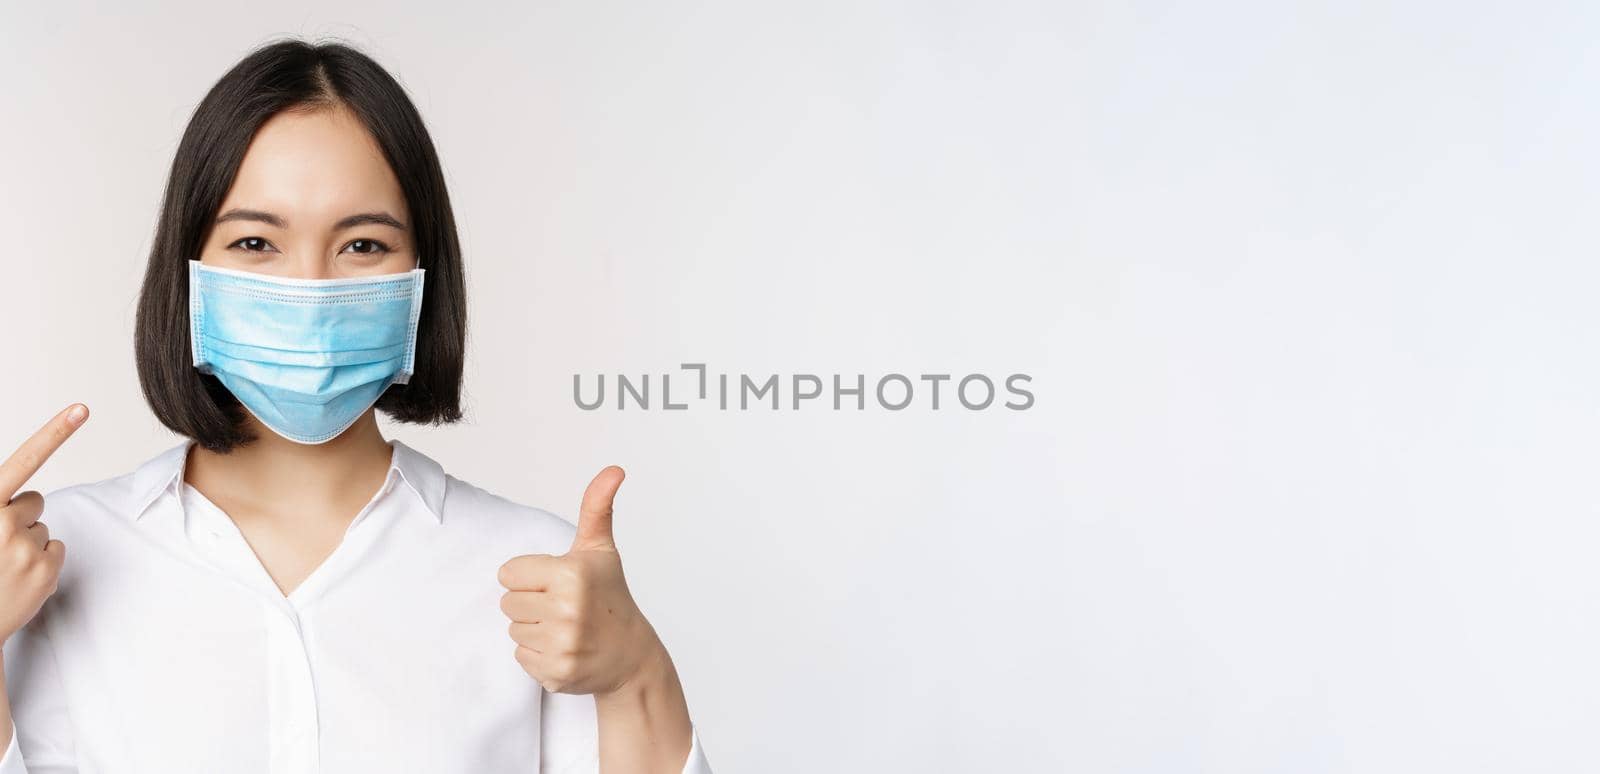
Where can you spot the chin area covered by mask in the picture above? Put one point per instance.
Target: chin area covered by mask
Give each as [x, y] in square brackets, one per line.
[306, 357]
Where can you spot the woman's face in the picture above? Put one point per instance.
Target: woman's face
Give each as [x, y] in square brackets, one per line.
[314, 199]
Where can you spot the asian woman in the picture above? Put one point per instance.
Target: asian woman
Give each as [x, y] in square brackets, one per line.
[286, 590]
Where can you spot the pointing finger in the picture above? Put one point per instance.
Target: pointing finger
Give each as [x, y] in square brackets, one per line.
[28, 457]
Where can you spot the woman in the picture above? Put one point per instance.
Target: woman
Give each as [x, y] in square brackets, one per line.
[287, 591]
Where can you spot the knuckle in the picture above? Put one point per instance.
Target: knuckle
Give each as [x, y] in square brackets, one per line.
[41, 576]
[509, 573]
[24, 509]
[23, 553]
[566, 609]
[566, 668]
[553, 637]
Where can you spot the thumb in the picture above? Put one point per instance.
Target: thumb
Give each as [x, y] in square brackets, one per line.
[594, 516]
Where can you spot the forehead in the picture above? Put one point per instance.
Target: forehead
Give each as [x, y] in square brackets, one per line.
[314, 166]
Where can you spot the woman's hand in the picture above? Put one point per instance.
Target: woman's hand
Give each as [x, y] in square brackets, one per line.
[578, 631]
[30, 562]
[576, 626]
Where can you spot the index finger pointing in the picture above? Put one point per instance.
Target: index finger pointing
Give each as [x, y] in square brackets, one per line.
[28, 457]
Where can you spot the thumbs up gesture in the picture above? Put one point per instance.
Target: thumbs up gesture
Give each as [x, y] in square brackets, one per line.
[576, 626]
[30, 562]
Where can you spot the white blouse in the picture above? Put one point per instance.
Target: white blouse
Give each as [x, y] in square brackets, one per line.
[167, 647]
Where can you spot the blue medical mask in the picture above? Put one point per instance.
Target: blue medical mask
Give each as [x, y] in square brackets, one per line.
[306, 357]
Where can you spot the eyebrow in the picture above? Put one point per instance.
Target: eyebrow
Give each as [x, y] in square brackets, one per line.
[378, 218]
[257, 215]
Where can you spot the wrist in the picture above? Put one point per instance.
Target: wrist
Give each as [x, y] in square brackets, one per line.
[650, 672]
[644, 721]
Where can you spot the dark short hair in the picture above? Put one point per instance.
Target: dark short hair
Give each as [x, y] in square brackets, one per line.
[283, 75]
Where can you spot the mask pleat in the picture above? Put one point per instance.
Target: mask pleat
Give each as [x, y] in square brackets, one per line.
[305, 358]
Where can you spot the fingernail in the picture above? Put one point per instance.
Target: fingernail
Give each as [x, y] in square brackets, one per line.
[77, 414]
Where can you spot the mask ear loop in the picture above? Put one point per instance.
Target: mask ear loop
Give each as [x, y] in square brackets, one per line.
[409, 367]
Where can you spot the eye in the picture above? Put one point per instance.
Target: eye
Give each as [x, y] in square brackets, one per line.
[252, 245]
[367, 246]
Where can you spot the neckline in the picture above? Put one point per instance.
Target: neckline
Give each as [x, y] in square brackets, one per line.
[224, 528]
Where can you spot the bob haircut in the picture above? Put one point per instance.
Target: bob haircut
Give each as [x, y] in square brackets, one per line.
[279, 76]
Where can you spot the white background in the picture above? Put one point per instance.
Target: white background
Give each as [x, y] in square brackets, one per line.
[1308, 296]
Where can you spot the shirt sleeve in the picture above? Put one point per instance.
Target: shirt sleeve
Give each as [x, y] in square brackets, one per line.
[11, 761]
[697, 763]
[569, 738]
[41, 734]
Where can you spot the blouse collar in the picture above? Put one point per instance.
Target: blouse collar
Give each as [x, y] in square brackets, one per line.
[162, 473]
